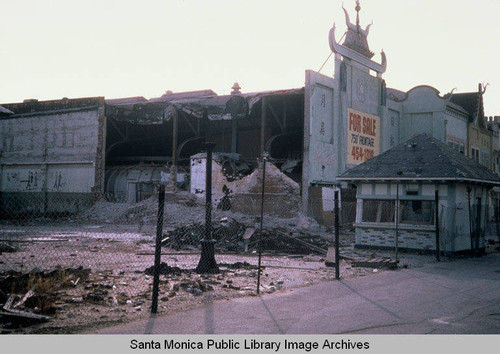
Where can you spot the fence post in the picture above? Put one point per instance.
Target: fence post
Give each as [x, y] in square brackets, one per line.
[159, 235]
[469, 190]
[264, 158]
[397, 222]
[337, 238]
[436, 203]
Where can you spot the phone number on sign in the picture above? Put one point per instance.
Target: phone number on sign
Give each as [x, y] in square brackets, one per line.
[362, 154]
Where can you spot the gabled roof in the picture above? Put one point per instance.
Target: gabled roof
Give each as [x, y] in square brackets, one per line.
[421, 158]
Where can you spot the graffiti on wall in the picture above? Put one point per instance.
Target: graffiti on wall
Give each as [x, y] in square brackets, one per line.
[24, 180]
[67, 179]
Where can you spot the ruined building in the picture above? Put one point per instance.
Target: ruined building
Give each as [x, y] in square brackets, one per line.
[77, 150]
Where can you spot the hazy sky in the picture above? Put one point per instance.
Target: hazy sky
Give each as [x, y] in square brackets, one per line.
[64, 48]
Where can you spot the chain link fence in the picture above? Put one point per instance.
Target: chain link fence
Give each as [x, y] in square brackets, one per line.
[68, 272]
[108, 262]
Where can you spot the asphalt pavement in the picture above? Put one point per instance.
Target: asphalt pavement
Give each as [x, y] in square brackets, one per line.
[460, 296]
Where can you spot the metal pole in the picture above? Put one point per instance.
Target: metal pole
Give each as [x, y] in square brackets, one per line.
[159, 235]
[208, 193]
[497, 211]
[337, 241]
[436, 206]
[207, 263]
[469, 190]
[263, 118]
[264, 158]
[397, 221]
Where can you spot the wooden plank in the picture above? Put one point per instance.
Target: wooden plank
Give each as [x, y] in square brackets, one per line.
[23, 316]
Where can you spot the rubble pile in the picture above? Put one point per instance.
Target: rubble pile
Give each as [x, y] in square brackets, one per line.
[235, 237]
[278, 240]
[28, 298]
[182, 209]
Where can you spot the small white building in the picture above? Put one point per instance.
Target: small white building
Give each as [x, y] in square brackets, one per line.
[396, 198]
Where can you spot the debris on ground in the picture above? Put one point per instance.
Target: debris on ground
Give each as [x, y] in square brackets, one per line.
[238, 265]
[233, 236]
[29, 298]
[164, 269]
[5, 247]
[385, 263]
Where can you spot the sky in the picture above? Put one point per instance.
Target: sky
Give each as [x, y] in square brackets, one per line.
[72, 48]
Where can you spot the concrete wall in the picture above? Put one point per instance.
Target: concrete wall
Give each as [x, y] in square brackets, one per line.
[326, 105]
[423, 112]
[52, 161]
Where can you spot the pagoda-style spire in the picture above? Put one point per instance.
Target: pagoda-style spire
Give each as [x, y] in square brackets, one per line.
[355, 45]
[356, 37]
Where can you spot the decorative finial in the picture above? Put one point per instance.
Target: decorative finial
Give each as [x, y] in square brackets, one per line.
[357, 8]
[236, 89]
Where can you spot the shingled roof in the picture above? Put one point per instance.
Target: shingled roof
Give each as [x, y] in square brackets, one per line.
[421, 158]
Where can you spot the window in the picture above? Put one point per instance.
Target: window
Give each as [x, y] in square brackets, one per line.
[416, 212]
[485, 158]
[378, 210]
[474, 153]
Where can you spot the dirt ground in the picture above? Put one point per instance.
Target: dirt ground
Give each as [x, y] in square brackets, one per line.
[91, 271]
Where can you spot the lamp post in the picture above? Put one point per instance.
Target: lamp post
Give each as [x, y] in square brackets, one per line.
[207, 263]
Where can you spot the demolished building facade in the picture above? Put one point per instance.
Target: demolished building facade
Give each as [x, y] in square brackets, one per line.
[82, 149]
